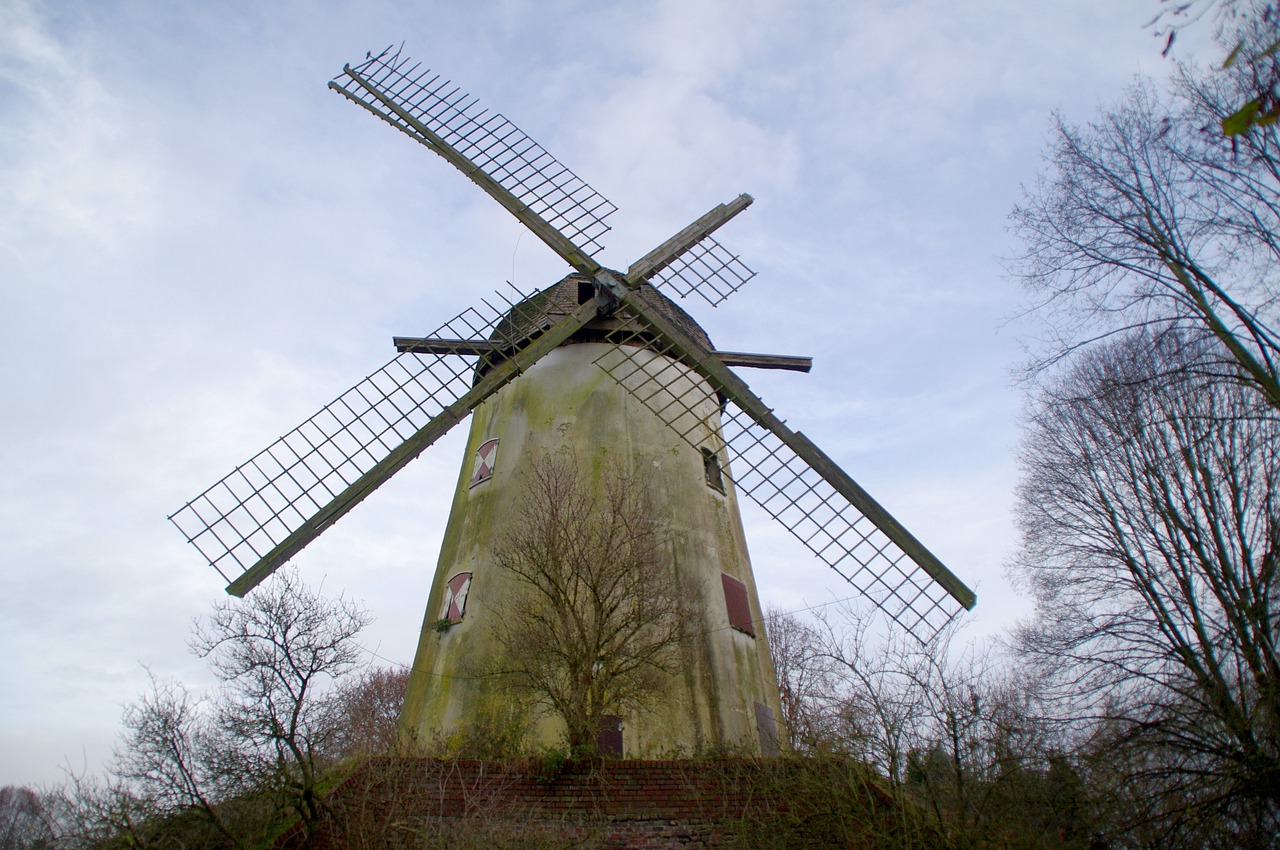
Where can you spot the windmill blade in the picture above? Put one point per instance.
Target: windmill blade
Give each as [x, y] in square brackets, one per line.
[790, 477]
[558, 206]
[708, 269]
[265, 511]
[692, 261]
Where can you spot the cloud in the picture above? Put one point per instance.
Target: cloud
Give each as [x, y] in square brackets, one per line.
[72, 165]
[200, 246]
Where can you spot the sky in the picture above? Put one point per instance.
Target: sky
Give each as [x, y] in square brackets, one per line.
[200, 246]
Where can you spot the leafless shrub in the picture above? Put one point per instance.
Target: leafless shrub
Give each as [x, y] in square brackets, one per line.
[363, 712]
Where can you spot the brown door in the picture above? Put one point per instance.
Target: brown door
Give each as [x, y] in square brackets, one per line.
[609, 736]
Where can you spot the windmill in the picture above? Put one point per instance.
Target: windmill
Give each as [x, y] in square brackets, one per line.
[653, 379]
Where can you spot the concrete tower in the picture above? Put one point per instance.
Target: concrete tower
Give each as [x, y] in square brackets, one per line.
[725, 693]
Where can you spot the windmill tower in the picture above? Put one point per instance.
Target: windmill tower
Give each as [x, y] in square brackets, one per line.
[723, 693]
[605, 367]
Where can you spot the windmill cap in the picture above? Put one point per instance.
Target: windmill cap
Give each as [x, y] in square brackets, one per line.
[534, 315]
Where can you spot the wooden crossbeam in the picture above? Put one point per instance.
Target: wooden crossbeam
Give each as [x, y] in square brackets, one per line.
[485, 347]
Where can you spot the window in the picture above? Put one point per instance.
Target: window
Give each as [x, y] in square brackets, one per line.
[455, 598]
[735, 599]
[486, 457]
[711, 468]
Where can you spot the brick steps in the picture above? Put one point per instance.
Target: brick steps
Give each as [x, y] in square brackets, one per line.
[420, 802]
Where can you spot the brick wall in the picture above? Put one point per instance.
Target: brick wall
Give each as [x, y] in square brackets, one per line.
[605, 804]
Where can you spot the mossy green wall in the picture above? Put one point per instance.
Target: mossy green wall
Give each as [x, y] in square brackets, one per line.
[566, 402]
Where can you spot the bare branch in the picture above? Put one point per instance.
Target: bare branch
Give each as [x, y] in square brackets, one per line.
[594, 625]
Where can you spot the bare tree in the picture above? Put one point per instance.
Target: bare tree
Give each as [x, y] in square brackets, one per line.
[1151, 543]
[174, 758]
[874, 710]
[87, 812]
[957, 739]
[363, 713]
[806, 680]
[1146, 219]
[197, 771]
[25, 823]
[594, 625]
[1250, 33]
[276, 652]
[981, 756]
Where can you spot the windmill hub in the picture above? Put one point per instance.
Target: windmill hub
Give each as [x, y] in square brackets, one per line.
[534, 315]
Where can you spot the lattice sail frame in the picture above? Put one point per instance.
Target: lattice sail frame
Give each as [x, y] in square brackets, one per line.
[487, 139]
[337, 457]
[402, 92]
[762, 467]
[708, 269]
[240, 519]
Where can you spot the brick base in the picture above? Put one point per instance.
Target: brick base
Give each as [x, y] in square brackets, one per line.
[706, 804]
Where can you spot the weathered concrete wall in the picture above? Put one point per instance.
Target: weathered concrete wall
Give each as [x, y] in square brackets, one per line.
[567, 403]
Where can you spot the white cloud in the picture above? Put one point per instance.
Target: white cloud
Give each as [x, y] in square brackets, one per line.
[73, 166]
[200, 246]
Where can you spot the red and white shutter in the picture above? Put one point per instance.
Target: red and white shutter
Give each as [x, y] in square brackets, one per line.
[486, 457]
[455, 598]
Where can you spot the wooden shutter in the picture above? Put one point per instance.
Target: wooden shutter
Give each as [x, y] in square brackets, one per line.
[735, 599]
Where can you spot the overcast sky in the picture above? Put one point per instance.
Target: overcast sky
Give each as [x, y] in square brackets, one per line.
[200, 246]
